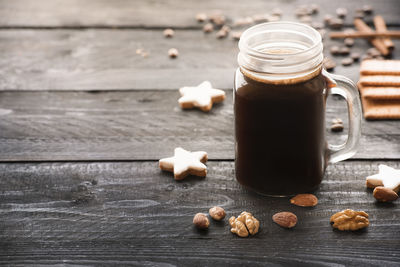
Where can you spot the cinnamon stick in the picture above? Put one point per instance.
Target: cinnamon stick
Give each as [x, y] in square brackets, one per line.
[377, 42]
[380, 25]
[358, 34]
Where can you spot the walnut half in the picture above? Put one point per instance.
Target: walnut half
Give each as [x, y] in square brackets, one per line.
[350, 220]
[244, 224]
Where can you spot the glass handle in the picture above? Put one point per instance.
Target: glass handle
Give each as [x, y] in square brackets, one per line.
[348, 90]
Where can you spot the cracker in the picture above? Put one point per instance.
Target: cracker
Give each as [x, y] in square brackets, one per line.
[382, 93]
[380, 80]
[378, 67]
[381, 109]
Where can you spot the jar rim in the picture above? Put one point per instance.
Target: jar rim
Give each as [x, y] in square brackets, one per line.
[280, 49]
[255, 52]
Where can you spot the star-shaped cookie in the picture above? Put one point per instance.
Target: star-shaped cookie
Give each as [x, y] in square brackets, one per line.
[184, 163]
[202, 96]
[387, 177]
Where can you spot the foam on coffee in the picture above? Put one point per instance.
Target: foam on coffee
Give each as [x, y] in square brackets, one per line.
[261, 77]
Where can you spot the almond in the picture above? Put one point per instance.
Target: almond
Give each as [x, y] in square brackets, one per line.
[384, 194]
[285, 219]
[304, 200]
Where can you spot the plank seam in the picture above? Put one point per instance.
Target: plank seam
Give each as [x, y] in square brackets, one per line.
[123, 27]
[156, 160]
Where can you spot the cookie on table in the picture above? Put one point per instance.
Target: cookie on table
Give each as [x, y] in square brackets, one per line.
[185, 163]
[202, 96]
[387, 177]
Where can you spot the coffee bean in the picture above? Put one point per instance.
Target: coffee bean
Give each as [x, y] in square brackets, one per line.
[302, 11]
[349, 42]
[355, 56]
[344, 51]
[347, 61]
[169, 33]
[373, 52]
[208, 28]
[329, 63]
[367, 9]
[273, 18]
[173, 52]
[306, 19]
[327, 19]
[317, 25]
[226, 28]
[217, 18]
[359, 14]
[337, 127]
[221, 34]
[314, 8]
[335, 50]
[322, 32]
[359, 9]
[336, 23]
[258, 18]
[236, 35]
[341, 12]
[366, 57]
[276, 12]
[243, 21]
[201, 17]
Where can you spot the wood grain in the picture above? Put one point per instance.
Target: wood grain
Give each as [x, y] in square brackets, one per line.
[141, 125]
[108, 213]
[107, 59]
[160, 13]
[131, 213]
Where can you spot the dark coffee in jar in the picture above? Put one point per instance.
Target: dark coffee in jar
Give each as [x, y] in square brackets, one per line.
[280, 94]
[286, 153]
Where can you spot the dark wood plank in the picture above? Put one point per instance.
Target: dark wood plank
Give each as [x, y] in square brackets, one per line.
[107, 60]
[109, 213]
[174, 13]
[140, 125]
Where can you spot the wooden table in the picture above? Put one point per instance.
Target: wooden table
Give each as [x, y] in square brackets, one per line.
[84, 121]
